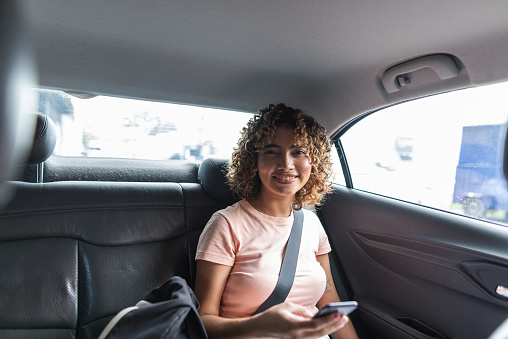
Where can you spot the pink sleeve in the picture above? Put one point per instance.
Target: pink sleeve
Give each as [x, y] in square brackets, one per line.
[216, 243]
[324, 244]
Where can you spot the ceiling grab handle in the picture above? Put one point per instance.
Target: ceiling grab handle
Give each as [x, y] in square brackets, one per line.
[397, 76]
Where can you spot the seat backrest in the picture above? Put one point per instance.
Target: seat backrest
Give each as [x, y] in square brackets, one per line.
[73, 254]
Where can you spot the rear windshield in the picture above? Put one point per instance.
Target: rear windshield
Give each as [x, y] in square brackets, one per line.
[113, 127]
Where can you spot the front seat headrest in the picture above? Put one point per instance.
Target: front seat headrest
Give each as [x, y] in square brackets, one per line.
[17, 78]
[212, 175]
[44, 139]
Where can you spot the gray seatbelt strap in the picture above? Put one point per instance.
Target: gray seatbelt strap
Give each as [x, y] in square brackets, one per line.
[288, 268]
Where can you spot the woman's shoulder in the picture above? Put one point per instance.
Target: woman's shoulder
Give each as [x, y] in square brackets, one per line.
[232, 210]
[227, 216]
[310, 217]
[310, 213]
[227, 223]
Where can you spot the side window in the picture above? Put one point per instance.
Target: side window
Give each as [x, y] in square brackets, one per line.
[444, 151]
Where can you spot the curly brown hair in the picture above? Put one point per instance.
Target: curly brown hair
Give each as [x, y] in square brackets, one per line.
[243, 178]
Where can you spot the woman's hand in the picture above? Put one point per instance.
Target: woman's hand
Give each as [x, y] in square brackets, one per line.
[290, 320]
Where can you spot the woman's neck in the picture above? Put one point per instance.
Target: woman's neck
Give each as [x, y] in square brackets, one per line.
[272, 207]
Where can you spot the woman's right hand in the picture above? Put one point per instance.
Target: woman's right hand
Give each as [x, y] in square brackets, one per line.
[288, 320]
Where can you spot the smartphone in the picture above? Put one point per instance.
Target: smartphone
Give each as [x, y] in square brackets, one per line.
[343, 308]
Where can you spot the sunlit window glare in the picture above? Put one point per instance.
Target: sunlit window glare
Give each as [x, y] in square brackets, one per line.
[126, 128]
[443, 151]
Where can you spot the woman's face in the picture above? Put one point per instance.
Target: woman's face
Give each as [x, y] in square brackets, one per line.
[283, 167]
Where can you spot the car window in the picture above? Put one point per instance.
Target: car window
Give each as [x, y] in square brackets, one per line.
[444, 151]
[104, 126]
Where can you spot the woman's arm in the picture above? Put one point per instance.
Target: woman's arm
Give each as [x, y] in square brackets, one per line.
[331, 295]
[286, 320]
[211, 280]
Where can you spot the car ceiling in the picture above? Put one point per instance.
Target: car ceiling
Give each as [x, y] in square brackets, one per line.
[325, 57]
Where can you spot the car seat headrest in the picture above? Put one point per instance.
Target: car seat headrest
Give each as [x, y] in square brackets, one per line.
[212, 175]
[17, 77]
[44, 139]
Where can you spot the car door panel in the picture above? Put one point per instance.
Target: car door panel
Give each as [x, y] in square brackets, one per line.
[418, 272]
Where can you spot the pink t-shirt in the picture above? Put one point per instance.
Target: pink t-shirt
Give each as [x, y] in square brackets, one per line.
[253, 244]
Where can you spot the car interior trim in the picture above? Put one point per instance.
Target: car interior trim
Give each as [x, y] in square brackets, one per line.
[343, 163]
[444, 65]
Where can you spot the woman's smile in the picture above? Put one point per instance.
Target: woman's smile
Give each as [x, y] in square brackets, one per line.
[285, 179]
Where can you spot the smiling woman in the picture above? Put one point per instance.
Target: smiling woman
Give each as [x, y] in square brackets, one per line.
[101, 126]
[241, 249]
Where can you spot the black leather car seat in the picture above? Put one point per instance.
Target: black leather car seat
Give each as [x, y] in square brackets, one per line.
[75, 253]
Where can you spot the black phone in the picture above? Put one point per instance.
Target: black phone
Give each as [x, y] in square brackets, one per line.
[343, 308]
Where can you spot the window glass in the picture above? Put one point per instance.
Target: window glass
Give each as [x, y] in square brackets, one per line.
[125, 128]
[444, 151]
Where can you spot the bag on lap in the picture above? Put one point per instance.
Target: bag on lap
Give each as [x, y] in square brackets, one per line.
[169, 311]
